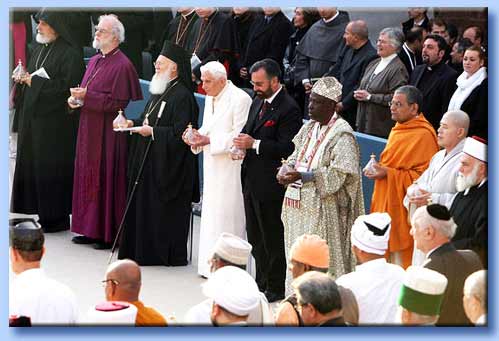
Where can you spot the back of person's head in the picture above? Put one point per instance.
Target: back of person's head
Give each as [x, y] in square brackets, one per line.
[310, 15]
[270, 66]
[27, 239]
[412, 94]
[318, 289]
[414, 34]
[476, 286]
[123, 277]
[463, 44]
[438, 217]
[421, 295]
[369, 236]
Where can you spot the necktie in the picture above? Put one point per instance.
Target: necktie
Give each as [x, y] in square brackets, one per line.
[263, 110]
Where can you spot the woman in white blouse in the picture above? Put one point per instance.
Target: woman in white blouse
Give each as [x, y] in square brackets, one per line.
[471, 94]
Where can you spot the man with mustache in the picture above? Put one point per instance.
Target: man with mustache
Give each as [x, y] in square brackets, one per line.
[469, 208]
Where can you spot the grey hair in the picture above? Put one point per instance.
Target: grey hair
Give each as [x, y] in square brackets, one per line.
[446, 228]
[412, 94]
[117, 29]
[359, 28]
[395, 35]
[476, 285]
[319, 290]
[216, 69]
[460, 119]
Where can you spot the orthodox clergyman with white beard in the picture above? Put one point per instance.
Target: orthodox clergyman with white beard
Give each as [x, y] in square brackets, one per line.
[157, 223]
[469, 208]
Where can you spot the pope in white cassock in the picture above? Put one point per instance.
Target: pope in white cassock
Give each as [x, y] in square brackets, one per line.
[225, 114]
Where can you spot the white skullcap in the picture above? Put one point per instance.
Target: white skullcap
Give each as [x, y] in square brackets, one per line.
[232, 248]
[422, 291]
[371, 232]
[111, 313]
[233, 289]
[328, 87]
[476, 147]
[216, 69]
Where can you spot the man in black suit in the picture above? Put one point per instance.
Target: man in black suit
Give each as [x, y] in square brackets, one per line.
[349, 68]
[417, 18]
[432, 229]
[274, 119]
[267, 38]
[435, 79]
[410, 54]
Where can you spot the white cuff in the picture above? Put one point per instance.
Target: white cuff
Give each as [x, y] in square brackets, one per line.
[256, 146]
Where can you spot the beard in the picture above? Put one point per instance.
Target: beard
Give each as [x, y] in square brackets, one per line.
[463, 182]
[43, 39]
[159, 82]
[97, 44]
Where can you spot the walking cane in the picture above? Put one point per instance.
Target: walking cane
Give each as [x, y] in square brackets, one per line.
[130, 197]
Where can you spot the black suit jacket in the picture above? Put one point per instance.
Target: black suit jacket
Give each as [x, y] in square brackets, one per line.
[267, 40]
[405, 59]
[407, 25]
[456, 266]
[280, 123]
[348, 70]
[477, 107]
[437, 95]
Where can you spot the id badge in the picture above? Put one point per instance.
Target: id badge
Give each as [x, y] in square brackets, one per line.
[293, 192]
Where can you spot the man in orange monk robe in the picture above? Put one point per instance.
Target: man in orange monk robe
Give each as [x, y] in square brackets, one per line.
[411, 144]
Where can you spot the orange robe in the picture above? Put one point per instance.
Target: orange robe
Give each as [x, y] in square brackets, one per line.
[407, 154]
[148, 316]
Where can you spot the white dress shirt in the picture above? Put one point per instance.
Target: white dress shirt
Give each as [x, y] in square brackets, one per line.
[42, 299]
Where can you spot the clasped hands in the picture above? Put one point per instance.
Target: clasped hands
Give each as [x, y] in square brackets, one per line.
[197, 140]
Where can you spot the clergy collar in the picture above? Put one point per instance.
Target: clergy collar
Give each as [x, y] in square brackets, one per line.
[110, 53]
[434, 67]
[269, 100]
[185, 16]
[327, 21]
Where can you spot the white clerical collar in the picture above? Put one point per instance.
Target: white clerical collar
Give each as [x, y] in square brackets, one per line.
[331, 19]
[186, 15]
[269, 100]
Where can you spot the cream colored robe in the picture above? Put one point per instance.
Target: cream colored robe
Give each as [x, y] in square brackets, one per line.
[223, 206]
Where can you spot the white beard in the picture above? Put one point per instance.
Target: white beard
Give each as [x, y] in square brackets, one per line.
[43, 39]
[464, 182]
[96, 45]
[159, 82]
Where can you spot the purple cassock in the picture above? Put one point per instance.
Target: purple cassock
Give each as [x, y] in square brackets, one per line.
[99, 190]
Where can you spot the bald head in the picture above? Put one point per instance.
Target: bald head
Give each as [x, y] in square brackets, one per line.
[125, 278]
[453, 129]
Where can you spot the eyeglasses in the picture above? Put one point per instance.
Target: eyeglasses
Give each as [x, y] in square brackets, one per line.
[104, 282]
[101, 30]
[395, 104]
[159, 64]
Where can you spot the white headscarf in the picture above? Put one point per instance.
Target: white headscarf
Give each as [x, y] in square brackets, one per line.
[465, 86]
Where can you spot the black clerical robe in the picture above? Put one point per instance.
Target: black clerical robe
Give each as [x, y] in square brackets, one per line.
[470, 215]
[181, 31]
[216, 39]
[43, 179]
[157, 222]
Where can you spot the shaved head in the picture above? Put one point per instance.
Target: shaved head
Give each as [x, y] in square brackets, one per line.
[127, 274]
[460, 119]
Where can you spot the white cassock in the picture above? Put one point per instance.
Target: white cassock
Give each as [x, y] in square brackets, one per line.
[44, 300]
[439, 179]
[223, 208]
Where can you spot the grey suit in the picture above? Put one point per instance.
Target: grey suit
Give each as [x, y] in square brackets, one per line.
[373, 116]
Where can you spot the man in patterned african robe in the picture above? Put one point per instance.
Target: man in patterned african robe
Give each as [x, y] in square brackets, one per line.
[324, 190]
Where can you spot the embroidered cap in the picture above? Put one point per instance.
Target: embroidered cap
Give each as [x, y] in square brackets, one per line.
[371, 232]
[232, 249]
[422, 291]
[312, 250]
[476, 147]
[328, 87]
